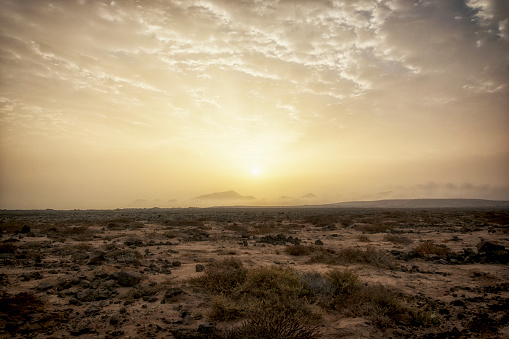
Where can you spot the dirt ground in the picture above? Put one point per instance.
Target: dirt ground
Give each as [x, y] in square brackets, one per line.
[131, 273]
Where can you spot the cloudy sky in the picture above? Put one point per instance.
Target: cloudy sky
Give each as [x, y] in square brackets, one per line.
[106, 102]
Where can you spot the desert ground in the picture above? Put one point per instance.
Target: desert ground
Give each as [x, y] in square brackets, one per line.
[255, 273]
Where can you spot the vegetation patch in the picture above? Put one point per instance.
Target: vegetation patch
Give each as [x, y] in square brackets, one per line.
[428, 248]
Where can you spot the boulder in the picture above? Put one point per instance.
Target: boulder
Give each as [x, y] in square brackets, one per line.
[128, 279]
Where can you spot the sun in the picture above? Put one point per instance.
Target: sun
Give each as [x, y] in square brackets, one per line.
[255, 171]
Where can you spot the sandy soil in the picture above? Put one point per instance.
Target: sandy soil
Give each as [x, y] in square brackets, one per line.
[59, 270]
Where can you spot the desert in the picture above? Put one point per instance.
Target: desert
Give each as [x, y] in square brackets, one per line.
[255, 273]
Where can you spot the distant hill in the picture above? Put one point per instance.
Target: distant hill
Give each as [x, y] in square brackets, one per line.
[421, 203]
[228, 195]
[309, 196]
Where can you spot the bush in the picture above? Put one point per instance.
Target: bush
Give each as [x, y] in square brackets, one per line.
[352, 255]
[298, 250]
[266, 281]
[428, 248]
[225, 309]
[343, 282]
[397, 239]
[376, 227]
[223, 276]
[269, 320]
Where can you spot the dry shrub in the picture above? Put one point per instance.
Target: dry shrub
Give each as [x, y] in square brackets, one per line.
[343, 282]
[272, 280]
[363, 238]
[20, 305]
[428, 248]
[352, 255]
[225, 309]
[222, 276]
[269, 320]
[377, 227]
[397, 239]
[237, 228]
[8, 248]
[298, 250]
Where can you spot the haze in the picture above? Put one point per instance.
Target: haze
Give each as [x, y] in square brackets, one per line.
[107, 102]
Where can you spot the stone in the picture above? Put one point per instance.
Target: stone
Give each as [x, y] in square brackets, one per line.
[489, 247]
[319, 242]
[128, 279]
[172, 292]
[96, 258]
[200, 268]
[46, 285]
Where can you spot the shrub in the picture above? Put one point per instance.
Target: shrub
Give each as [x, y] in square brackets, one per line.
[428, 248]
[298, 250]
[397, 239]
[377, 227]
[223, 276]
[352, 255]
[266, 281]
[363, 238]
[343, 282]
[225, 309]
[269, 320]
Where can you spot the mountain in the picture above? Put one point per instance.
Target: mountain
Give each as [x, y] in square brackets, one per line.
[421, 203]
[309, 196]
[228, 195]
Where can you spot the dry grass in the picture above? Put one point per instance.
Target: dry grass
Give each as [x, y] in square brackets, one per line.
[352, 255]
[428, 248]
[397, 239]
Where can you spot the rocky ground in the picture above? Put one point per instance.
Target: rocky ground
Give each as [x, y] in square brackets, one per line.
[140, 273]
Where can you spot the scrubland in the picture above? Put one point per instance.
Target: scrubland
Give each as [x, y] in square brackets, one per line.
[255, 273]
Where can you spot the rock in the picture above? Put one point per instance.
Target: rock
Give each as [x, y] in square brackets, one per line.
[319, 242]
[128, 279]
[114, 320]
[458, 302]
[489, 247]
[25, 229]
[200, 268]
[46, 285]
[96, 258]
[176, 264]
[172, 292]
[133, 242]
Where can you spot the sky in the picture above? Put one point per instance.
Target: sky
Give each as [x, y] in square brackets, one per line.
[110, 104]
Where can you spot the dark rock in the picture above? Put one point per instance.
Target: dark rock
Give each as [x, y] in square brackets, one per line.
[176, 264]
[133, 242]
[128, 279]
[25, 229]
[172, 292]
[206, 328]
[46, 285]
[489, 247]
[458, 302]
[319, 242]
[114, 320]
[200, 268]
[80, 331]
[96, 258]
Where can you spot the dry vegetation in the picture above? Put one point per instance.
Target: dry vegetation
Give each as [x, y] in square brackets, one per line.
[254, 273]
